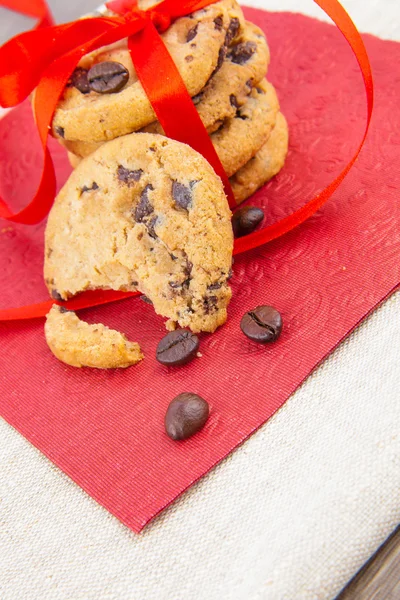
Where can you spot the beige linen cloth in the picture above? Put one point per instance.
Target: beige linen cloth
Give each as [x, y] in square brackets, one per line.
[291, 515]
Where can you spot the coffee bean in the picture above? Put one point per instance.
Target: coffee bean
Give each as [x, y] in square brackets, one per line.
[262, 324]
[79, 80]
[242, 53]
[177, 348]
[108, 77]
[185, 416]
[246, 219]
[182, 194]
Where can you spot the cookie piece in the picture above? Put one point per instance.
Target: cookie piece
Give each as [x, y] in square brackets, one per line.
[79, 344]
[237, 140]
[264, 165]
[197, 44]
[245, 65]
[148, 213]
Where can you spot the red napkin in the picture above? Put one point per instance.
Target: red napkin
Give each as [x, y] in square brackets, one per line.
[105, 428]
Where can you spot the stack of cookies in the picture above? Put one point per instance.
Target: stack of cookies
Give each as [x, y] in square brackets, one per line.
[142, 212]
[223, 60]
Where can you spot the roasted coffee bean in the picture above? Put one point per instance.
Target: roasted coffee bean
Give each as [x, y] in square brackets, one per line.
[185, 416]
[79, 80]
[182, 194]
[246, 219]
[242, 53]
[262, 324]
[177, 348]
[108, 77]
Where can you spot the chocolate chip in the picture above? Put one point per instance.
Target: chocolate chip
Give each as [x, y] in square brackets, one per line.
[177, 348]
[210, 304]
[221, 58]
[215, 286]
[146, 300]
[63, 310]
[60, 131]
[56, 296]
[192, 33]
[108, 77]
[127, 176]
[186, 415]
[90, 189]
[182, 194]
[260, 90]
[188, 268]
[240, 115]
[242, 53]
[246, 219]
[233, 101]
[150, 227]
[219, 23]
[189, 58]
[198, 98]
[79, 80]
[233, 30]
[262, 324]
[144, 208]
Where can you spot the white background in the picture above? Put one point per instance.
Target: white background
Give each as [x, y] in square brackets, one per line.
[291, 515]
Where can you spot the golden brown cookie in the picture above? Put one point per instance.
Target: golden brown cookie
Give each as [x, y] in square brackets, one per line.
[79, 344]
[237, 140]
[264, 165]
[105, 99]
[148, 213]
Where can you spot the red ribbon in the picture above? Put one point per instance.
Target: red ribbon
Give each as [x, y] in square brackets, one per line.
[58, 58]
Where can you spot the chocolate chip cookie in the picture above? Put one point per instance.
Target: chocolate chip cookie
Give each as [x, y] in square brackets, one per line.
[245, 65]
[145, 213]
[79, 344]
[264, 165]
[104, 98]
[237, 140]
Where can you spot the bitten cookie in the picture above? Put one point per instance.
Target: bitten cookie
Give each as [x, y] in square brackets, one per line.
[148, 213]
[237, 140]
[264, 165]
[105, 99]
[79, 344]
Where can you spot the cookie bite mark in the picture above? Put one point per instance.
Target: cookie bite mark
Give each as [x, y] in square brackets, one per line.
[79, 344]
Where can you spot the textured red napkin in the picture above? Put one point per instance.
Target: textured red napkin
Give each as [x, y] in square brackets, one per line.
[105, 429]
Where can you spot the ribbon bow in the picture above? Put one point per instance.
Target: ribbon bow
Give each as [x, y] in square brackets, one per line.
[46, 58]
